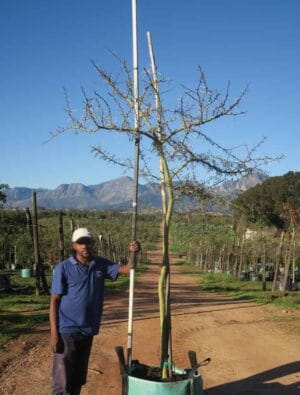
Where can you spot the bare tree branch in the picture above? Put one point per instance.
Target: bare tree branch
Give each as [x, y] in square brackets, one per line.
[172, 132]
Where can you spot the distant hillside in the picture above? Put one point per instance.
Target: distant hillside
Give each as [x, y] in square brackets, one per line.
[114, 194]
[110, 195]
[233, 188]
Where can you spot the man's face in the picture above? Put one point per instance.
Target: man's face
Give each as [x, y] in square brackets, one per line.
[83, 247]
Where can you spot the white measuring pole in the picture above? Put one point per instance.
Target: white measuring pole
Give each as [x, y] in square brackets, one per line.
[136, 174]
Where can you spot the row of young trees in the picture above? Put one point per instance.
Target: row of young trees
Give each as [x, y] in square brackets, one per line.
[17, 244]
[260, 238]
[26, 243]
[276, 203]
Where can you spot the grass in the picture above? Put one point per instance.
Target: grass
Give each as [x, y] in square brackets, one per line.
[151, 246]
[21, 309]
[297, 330]
[10, 303]
[14, 324]
[180, 263]
[244, 290]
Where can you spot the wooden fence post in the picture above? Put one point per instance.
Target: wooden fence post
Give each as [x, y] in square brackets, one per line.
[263, 261]
[29, 222]
[110, 250]
[61, 236]
[72, 225]
[40, 276]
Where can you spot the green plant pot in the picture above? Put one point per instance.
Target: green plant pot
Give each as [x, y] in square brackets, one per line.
[188, 386]
[25, 273]
[141, 379]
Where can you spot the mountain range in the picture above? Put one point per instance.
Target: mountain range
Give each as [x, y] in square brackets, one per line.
[114, 194]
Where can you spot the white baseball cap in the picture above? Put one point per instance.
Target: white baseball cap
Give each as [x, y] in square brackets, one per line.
[81, 233]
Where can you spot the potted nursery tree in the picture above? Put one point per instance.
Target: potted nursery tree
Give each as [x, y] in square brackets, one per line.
[176, 135]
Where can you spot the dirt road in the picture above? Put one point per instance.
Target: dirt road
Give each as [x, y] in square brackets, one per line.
[253, 349]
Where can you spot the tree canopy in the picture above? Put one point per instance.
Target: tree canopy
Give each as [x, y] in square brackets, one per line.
[272, 200]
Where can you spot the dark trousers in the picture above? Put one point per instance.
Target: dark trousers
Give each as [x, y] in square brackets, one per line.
[70, 367]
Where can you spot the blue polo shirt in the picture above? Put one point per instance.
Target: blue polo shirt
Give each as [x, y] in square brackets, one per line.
[82, 289]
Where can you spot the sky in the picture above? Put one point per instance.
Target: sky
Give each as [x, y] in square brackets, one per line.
[48, 46]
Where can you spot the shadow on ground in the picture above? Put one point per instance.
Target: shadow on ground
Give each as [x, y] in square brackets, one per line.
[264, 383]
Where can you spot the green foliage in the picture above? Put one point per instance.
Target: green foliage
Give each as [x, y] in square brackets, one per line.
[2, 194]
[197, 230]
[268, 202]
[14, 237]
[16, 243]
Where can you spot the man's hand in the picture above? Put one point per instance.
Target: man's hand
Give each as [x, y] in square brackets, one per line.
[56, 342]
[134, 247]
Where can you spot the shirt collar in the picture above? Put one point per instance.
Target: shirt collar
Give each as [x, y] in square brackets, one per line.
[74, 261]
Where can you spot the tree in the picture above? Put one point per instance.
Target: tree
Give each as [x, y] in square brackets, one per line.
[12, 229]
[275, 202]
[174, 134]
[240, 227]
[2, 194]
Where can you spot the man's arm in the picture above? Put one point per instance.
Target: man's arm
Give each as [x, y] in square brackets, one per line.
[56, 342]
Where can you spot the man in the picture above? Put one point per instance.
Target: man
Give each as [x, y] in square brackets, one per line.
[76, 309]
